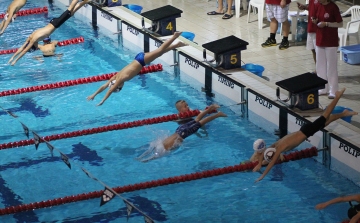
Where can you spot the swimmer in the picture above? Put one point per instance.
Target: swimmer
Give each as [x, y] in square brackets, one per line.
[289, 142]
[354, 210]
[182, 106]
[31, 42]
[10, 14]
[156, 150]
[182, 132]
[116, 83]
[48, 49]
[259, 147]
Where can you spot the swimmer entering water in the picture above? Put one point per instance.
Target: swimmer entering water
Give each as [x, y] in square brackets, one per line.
[116, 83]
[291, 141]
[10, 14]
[180, 134]
[31, 43]
[48, 49]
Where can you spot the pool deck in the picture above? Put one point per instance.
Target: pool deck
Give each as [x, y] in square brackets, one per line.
[279, 64]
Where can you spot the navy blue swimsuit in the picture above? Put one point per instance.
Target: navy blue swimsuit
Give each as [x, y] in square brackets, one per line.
[188, 129]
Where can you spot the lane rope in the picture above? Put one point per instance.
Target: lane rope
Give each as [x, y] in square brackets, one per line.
[85, 80]
[296, 155]
[29, 12]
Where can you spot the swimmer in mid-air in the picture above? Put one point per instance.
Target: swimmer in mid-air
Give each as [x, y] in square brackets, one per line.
[10, 14]
[31, 43]
[354, 210]
[294, 139]
[182, 132]
[48, 49]
[116, 83]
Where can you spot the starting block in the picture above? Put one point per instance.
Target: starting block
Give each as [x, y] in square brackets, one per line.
[163, 19]
[227, 51]
[303, 90]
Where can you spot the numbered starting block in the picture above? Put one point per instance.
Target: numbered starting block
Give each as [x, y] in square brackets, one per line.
[303, 90]
[163, 19]
[227, 51]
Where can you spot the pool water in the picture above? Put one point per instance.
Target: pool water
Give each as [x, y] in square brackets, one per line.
[288, 194]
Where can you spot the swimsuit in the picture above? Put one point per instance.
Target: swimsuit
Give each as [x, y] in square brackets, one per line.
[6, 17]
[188, 129]
[310, 129]
[57, 22]
[140, 58]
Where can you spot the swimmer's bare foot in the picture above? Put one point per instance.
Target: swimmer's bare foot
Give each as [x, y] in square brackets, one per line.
[177, 34]
[339, 93]
[180, 44]
[221, 114]
[346, 113]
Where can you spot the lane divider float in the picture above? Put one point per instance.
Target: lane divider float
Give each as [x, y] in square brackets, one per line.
[297, 155]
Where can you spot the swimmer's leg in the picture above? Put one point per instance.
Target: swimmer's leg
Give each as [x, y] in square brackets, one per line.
[147, 152]
[165, 47]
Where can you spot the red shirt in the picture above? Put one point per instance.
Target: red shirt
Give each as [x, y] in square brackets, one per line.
[276, 2]
[327, 36]
[311, 27]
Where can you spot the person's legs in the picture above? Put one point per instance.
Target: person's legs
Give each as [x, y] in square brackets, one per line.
[78, 6]
[72, 5]
[332, 72]
[211, 117]
[165, 47]
[229, 6]
[334, 117]
[321, 67]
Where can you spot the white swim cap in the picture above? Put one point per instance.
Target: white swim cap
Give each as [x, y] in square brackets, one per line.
[117, 89]
[269, 153]
[259, 145]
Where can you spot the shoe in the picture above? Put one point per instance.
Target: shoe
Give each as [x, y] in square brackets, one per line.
[331, 96]
[269, 42]
[227, 16]
[284, 44]
[321, 92]
[215, 13]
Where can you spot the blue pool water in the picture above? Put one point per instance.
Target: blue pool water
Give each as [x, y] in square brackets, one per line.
[288, 194]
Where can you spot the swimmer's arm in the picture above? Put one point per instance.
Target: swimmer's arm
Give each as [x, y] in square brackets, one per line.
[19, 50]
[55, 42]
[107, 95]
[270, 165]
[338, 200]
[7, 22]
[101, 89]
[258, 166]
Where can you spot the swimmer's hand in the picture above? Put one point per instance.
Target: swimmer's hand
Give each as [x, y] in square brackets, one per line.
[91, 97]
[102, 102]
[258, 179]
[321, 206]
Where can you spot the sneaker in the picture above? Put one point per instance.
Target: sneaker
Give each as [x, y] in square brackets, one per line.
[331, 96]
[269, 42]
[284, 44]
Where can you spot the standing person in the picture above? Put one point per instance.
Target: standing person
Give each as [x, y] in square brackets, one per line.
[354, 210]
[220, 9]
[182, 132]
[10, 14]
[289, 142]
[277, 12]
[311, 27]
[31, 43]
[328, 18]
[116, 83]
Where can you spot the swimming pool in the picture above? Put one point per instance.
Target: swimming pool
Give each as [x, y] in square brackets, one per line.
[28, 175]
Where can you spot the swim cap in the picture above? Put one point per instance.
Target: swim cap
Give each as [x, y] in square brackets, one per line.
[259, 145]
[269, 153]
[47, 39]
[117, 89]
